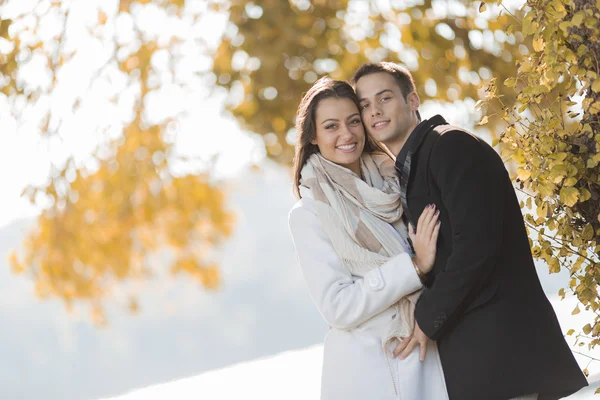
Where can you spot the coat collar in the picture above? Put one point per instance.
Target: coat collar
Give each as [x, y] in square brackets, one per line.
[416, 139]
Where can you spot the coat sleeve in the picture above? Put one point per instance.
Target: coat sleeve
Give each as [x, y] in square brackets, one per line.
[472, 184]
[344, 300]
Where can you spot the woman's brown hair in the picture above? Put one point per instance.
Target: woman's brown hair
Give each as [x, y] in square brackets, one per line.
[306, 127]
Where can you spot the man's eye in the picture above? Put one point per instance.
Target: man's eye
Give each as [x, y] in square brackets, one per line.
[384, 99]
[364, 106]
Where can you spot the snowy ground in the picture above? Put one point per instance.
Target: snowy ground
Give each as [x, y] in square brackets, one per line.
[296, 374]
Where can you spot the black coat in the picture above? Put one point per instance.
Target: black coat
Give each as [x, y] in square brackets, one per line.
[497, 333]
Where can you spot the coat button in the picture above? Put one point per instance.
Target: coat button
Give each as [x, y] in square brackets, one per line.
[436, 324]
[374, 282]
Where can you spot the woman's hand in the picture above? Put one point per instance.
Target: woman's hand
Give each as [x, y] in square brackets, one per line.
[425, 239]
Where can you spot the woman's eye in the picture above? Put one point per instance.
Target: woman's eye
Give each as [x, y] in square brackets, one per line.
[355, 122]
[330, 126]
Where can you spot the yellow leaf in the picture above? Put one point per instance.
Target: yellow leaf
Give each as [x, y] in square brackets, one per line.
[510, 82]
[553, 265]
[590, 163]
[519, 156]
[558, 173]
[564, 26]
[523, 174]
[596, 85]
[588, 232]
[584, 194]
[526, 66]
[15, 266]
[102, 18]
[576, 310]
[538, 44]
[569, 196]
[570, 181]
[527, 25]
[506, 152]
[133, 306]
[570, 332]
[578, 18]
[594, 108]
[542, 210]
[590, 22]
[483, 121]
[587, 294]
[482, 7]
[131, 63]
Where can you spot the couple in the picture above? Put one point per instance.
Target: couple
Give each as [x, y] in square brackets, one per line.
[422, 266]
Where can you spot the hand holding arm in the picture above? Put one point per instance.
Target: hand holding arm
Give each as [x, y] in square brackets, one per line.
[346, 301]
[424, 240]
[425, 245]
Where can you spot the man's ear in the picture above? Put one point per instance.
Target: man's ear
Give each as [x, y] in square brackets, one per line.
[413, 101]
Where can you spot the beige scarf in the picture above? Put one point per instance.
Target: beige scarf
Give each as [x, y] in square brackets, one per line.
[356, 215]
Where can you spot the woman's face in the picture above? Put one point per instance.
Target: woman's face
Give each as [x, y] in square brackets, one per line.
[340, 133]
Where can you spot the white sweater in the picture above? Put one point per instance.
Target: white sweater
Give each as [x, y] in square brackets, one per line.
[358, 309]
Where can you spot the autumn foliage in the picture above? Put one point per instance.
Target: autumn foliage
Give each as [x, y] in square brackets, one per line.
[553, 136]
[103, 221]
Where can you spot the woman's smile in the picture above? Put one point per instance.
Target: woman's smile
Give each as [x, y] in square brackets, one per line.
[347, 148]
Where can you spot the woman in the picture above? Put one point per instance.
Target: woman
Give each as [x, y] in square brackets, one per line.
[348, 234]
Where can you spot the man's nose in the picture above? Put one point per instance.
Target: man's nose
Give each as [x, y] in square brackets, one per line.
[375, 110]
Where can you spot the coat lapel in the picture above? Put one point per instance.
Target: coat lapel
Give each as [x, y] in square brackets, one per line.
[410, 148]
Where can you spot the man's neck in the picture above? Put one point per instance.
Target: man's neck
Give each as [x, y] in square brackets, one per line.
[396, 146]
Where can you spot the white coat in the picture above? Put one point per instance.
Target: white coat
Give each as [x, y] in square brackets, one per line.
[357, 309]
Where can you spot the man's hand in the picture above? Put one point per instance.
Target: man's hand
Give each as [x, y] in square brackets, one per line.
[418, 338]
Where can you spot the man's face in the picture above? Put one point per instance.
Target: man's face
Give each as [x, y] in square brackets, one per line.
[387, 116]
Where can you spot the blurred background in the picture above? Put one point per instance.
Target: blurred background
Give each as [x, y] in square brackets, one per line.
[145, 168]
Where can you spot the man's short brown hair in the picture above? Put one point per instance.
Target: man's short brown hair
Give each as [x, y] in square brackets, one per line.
[401, 75]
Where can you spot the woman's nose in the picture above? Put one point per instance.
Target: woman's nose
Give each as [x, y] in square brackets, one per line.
[346, 132]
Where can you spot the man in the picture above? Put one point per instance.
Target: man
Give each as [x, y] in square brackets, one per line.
[496, 331]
